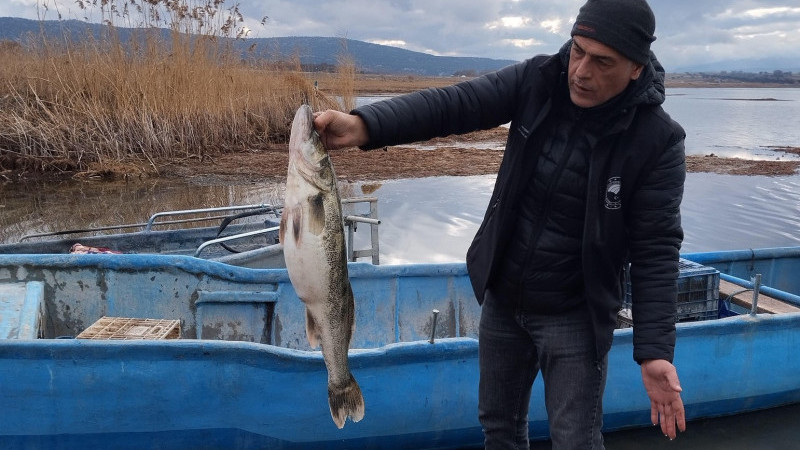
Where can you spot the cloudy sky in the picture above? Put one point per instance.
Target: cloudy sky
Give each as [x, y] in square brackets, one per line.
[690, 32]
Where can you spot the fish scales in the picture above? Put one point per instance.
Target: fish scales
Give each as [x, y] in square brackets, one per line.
[312, 234]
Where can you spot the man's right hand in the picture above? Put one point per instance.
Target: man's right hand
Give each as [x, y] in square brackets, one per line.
[340, 130]
[664, 389]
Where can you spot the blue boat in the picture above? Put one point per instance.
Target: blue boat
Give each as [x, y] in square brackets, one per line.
[241, 374]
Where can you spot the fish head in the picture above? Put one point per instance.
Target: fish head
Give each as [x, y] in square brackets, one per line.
[305, 145]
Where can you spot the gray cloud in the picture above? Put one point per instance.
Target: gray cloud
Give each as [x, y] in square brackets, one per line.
[689, 31]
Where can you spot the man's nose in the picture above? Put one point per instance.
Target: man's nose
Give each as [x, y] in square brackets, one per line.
[584, 68]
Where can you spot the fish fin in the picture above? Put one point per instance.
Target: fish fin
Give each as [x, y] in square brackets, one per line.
[316, 220]
[291, 218]
[282, 230]
[297, 221]
[312, 330]
[346, 401]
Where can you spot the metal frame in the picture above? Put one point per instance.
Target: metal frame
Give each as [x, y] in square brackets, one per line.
[370, 218]
[151, 222]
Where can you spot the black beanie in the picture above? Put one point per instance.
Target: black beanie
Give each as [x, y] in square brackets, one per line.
[627, 26]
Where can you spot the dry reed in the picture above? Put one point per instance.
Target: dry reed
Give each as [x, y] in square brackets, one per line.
[105, 104]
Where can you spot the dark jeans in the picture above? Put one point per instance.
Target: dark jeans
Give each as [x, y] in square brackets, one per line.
[515, 345]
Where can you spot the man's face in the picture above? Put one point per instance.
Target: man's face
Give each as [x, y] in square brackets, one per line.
[597, 72]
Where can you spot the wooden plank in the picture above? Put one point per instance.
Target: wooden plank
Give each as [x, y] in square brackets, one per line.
[127, 328]
[766, 304]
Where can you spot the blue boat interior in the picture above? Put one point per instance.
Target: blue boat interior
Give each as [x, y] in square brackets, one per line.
[59, 296]
[217, 301]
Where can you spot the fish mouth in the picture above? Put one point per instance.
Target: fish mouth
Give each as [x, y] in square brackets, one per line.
[307, 154]
[302, 125]
[304, 141]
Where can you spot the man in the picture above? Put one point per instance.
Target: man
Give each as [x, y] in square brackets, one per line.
[591, 180]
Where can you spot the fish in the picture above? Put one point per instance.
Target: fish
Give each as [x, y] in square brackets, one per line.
[312, 235]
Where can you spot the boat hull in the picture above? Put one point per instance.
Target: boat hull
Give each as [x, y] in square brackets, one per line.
[214, 392]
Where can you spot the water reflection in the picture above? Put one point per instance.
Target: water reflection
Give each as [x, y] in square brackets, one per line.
[41, 207]
[730, 123]
[423, 220]
[725, 212]
[431, 219]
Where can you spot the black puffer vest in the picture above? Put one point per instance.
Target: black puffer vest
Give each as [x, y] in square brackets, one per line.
[542, 266]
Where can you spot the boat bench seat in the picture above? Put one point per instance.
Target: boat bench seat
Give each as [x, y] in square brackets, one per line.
[766, 304]
[21, 309]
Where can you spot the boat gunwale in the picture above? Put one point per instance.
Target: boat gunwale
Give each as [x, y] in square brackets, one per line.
[190, 264]
[238, 352]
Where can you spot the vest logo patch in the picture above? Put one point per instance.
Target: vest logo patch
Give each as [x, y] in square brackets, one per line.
[613, 190]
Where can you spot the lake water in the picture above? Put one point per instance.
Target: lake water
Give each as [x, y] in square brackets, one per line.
[434, 219]
[737, 122]
[730, 122]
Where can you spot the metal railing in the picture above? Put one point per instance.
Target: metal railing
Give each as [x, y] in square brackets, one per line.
[232, 238]
[756, 280]
[351, 222]
[151, 222]
[370, 218]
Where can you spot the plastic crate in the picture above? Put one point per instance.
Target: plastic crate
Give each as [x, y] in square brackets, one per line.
[125, 328]
[698, 293]
[625, 318]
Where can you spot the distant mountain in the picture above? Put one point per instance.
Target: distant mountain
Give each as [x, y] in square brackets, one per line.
[376, 58]
[312, 51]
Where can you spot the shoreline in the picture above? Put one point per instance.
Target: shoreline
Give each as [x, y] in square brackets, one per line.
[374, 84]
[477, 153]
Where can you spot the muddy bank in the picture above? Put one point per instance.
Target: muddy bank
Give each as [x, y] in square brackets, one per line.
[737, 166]
[478, 153]
[471, 154]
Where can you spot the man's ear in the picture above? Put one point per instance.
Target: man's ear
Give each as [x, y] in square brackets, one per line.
[637, 70]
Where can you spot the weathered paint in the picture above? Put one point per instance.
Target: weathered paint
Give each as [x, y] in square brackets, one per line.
[21, 309]
[217, 393]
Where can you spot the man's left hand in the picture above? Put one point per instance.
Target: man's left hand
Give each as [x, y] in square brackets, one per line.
[664, 389]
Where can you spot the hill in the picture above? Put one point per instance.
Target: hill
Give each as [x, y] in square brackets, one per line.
[316, 52]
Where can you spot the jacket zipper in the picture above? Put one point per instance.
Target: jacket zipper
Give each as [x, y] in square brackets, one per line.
[541, 219]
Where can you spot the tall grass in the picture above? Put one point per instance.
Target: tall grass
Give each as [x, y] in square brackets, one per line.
[100, 103]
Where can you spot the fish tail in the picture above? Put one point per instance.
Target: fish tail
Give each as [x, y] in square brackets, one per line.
[346, 401]
[312, 330]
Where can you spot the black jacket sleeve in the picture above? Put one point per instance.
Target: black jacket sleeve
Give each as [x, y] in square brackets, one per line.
[478, 104]
[655, 235]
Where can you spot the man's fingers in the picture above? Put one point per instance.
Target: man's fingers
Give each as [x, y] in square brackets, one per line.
[670, 419]
[662, 413]
[653, 413]
[321, 120]
[669, 416]
[681, 416]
